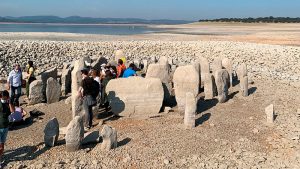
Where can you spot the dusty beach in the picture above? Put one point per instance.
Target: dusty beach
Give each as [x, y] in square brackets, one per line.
[230, 135]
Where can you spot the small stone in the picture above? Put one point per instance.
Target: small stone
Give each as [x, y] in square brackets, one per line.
[101, 122]
[95, 162]
[166, 161]
[255, 131]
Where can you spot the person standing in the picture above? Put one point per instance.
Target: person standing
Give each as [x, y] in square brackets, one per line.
[30, 76]
[86, 93]
[14, 84]
[5, 110]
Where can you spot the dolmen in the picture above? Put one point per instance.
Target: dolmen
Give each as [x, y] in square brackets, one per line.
[135, 97]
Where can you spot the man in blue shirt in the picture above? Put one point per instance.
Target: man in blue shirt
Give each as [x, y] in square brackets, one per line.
[14, 84]
[129, 71]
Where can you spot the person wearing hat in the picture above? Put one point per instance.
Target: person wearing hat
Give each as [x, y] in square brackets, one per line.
[14, 84]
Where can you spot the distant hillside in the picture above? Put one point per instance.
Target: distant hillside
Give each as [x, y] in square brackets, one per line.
[87, 20]
[270, 19]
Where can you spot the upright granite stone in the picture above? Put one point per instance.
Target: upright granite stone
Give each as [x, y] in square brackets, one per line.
[204, 69]
[161, 71]
[216, 65]
[209, 86]
[196, 64]
[109, 136]
[53, 91]
[74, 134]
[222, 83]
[243, 77]
[244, 86]
[227, 64]
[97, 64]
[242, 71]
[185, 79]
[270, 113]
[163, 60]
[51, 132]
[45, 76]
[36, 92]
[137, 97]
[119, 54]
[145, 63]
[190, 110]
[76, 83]
[66, 81]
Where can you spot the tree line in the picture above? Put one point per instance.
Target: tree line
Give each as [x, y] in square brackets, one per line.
[270, 19]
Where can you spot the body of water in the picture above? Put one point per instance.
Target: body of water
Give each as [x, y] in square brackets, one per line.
[84, 29]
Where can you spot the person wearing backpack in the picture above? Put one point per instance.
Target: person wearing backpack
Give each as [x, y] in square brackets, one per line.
[88, 91]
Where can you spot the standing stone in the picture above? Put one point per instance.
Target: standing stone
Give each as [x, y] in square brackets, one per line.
[145, 63]
[196, 64]
[137, 97]
[74, 134]
[51, 132]
[216, 65]
[186, 79]
[153, 59]
[36, 92]
[161, 71]
[270, 113]
[204, 69]
[119, 54]
[222, 83]
[227, 64]
[52, 91]
[242, 71]
[66, 81]
[97, 64]
[109, 136]
[45, 76]
[244, 86]
[190, 110]
[137, 63]
[76, 83]
[163, 60]
[209, 89]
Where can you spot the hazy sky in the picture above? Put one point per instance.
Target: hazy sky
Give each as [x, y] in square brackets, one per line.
[152, 9]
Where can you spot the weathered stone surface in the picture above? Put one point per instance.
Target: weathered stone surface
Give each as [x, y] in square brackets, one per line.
[270, 113]
[75, 134]
[227, 64]
[186, 79]
[51, 132]
[136, 97]
[209, 86]
[163, 60]
[196, 64]
[36, 92]
[190, 110]
[242, 71]
[45, 76]
[145, 63]
[244, 86]
[216, 65]
[109, 136]
[66, 81]
[76, 83]
[119, 54]
[53, 91]
[161, 71]
[204, 69]
[222, 83]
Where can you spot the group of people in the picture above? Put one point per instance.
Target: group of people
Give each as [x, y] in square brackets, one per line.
[93, 86]
[10, 110]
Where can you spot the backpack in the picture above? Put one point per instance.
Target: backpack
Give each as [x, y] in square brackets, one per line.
[95, 89]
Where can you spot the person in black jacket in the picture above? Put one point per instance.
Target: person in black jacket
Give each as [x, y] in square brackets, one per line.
[86, 93]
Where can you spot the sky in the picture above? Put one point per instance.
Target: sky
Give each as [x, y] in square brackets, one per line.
[152, 9]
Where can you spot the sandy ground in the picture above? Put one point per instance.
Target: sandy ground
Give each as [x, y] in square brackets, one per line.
[282, 34]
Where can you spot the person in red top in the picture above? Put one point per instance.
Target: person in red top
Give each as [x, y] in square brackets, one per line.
[121, 68]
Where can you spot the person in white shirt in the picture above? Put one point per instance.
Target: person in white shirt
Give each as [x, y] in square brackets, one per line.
[14, 84]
